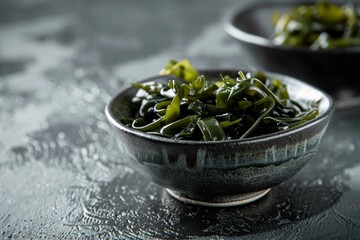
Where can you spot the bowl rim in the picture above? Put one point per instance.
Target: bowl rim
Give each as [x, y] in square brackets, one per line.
[253, 39]
[256, 139]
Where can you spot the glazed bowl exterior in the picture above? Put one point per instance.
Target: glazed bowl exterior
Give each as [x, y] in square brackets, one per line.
[334, 71]
[221, 168]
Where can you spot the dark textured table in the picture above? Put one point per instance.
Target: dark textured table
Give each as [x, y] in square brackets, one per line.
[61, 175]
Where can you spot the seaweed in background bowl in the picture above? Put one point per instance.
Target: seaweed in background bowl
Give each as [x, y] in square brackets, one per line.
[333, 70]
[319, 26]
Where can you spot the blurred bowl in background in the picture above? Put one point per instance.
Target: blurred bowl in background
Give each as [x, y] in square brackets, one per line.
[335, 71]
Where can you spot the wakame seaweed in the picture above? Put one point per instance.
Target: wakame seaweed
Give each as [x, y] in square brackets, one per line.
[321, 25]
[195, 108]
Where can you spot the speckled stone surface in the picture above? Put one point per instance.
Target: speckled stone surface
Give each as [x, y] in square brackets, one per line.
[61, 174]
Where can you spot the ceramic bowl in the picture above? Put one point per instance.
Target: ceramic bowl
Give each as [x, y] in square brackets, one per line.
[221, 173]
[334, 71]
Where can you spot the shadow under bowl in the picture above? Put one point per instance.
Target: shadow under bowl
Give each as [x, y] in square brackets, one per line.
[334, 71]
[219, 173]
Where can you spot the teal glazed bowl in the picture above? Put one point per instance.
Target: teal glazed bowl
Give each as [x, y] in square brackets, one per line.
[221, 173]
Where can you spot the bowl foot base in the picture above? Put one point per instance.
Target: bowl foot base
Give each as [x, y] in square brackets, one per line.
[223, 201]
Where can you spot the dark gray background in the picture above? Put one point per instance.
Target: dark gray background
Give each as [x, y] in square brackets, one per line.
[61, 175]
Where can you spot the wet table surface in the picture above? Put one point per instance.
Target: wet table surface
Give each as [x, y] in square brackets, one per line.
[61, 175]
